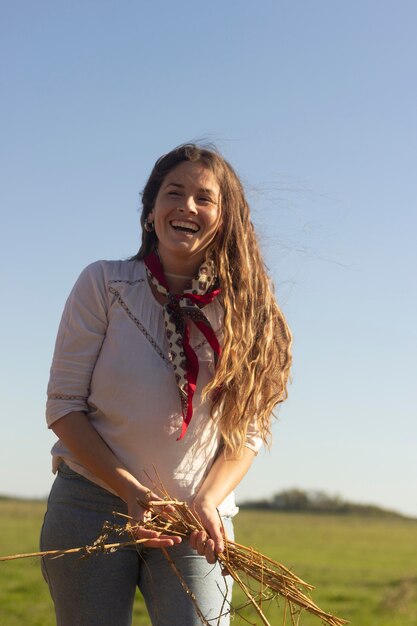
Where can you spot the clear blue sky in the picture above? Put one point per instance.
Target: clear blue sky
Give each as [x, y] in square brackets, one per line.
[315, 105]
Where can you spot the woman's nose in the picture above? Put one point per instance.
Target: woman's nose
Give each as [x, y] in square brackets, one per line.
[188, 205]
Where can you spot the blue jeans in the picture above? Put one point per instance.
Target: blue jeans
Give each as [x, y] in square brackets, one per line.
[100, 590]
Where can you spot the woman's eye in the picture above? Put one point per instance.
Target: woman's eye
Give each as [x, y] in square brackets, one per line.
[173, 193]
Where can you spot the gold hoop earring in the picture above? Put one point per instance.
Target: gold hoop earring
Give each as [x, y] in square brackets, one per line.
[149, 226]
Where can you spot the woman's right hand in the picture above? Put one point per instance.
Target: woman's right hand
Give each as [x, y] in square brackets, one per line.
[140, 513]
[76, 431]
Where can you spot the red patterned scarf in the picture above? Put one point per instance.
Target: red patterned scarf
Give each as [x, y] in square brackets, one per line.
[179, 311]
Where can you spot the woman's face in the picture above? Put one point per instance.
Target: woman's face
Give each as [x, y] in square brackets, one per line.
[186, 216]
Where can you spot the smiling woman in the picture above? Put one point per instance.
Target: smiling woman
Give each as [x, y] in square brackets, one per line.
[186, 216]
[172, 360]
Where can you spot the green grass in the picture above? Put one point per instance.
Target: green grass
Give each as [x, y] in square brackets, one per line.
[365, 569]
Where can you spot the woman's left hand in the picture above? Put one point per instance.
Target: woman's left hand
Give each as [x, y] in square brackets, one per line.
[208, 543]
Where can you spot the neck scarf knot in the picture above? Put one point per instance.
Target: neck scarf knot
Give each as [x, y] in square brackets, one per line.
[179, 311]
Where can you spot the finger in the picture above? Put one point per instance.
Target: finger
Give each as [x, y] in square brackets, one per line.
[148, 496]
[219, 545]
[155, 539]
[193, 539]
[216, 535]
[209, 552]
[165, 512]
[163, 542]
[141, 533]
[158, 543]
[201, 540]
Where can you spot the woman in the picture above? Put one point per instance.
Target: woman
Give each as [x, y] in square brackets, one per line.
[166, 368]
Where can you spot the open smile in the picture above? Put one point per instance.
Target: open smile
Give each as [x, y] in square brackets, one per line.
[185, 226]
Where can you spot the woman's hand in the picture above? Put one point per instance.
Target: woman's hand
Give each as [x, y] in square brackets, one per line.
[141, 514]
[225, 473]
[208, 543]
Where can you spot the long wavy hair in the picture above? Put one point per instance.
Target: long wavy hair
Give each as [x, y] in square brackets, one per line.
[252, 373]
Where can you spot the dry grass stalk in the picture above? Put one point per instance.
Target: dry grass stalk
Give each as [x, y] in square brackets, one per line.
[185, 586]
[272, 576]
[238, 560]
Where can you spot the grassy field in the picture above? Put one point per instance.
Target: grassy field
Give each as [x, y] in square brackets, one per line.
[365, 569]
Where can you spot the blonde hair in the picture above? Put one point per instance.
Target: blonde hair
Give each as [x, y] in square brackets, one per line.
[252, 373]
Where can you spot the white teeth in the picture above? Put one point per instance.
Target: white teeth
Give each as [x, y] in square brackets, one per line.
[186, 225]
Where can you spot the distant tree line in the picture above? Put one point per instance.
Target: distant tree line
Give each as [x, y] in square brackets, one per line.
[314, 502]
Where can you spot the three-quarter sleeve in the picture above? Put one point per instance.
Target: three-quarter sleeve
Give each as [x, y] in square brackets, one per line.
[79, 340]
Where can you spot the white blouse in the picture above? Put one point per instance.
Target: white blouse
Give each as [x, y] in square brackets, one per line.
[111, 361]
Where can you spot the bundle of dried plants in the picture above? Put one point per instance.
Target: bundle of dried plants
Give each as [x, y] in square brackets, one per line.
[240, 562]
